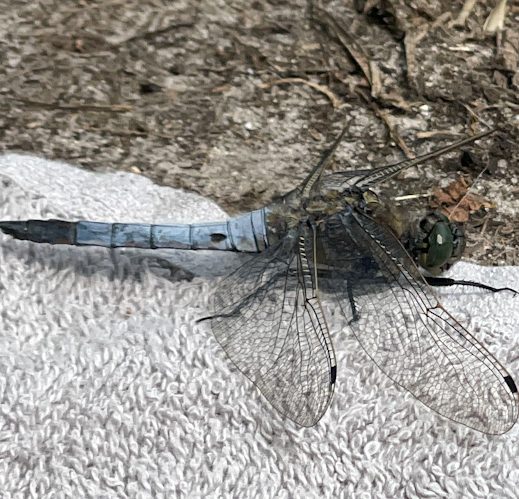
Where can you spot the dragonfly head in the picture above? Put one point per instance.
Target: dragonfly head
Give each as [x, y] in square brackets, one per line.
[437, 243]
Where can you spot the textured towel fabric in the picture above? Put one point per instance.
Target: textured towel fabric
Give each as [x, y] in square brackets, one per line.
[108, 387]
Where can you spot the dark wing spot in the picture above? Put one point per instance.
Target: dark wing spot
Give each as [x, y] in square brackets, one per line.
[333, 375]
[511, 384]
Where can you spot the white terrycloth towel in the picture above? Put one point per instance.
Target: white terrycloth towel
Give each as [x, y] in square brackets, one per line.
[109, 388]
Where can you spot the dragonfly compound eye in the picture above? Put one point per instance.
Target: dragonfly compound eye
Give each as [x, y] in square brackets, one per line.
[442, 243]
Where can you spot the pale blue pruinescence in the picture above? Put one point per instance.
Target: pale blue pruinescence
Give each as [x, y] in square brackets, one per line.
[245, 233]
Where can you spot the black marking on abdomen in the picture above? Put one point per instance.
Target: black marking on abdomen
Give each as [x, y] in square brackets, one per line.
[216, 237]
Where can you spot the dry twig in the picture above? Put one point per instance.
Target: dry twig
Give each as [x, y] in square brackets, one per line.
[336, 102]
[371, 74]
[496, 20]
[412, 39]
[464, 13]
[386, 118]
[103, 108]
[437, 133]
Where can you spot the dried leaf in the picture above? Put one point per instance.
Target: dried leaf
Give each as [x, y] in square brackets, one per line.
[456, 214]
[440, 198]
[457, 189]
[457, 203]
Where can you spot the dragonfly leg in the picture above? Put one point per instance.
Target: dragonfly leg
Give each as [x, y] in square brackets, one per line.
[445, 281]
[355, 313]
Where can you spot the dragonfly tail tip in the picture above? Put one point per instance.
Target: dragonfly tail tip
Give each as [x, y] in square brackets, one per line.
[14, 229]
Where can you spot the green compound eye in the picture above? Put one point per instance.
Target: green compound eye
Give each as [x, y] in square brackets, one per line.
[439, 243]
[440, 246]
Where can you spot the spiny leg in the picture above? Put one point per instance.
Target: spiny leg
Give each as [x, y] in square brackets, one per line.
[445, 281]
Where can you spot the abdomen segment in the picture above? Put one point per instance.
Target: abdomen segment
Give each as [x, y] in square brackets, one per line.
[245, 233]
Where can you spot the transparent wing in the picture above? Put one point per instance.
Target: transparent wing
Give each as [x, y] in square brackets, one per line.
[339, 181]
[268, 319]
[405, 330]
[368, 177]
[382, 173]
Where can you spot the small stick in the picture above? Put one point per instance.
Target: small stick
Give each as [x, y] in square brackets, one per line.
[464, 13]
[410, 196]
[336, 102]
[112, 108]
[437, 133]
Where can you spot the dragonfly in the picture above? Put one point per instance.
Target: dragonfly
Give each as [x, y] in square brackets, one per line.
[332, 236]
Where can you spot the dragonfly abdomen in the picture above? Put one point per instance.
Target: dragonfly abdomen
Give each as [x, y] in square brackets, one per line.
[245, 233]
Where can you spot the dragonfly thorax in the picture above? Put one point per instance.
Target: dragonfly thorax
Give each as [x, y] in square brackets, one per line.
[432, 240]
[330, 202]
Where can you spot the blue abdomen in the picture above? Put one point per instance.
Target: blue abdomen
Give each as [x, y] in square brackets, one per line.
[245, 233]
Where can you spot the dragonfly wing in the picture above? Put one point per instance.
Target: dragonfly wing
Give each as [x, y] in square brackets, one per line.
[268, 319]
[400, 323]
[340, 181]
[369, 177]
[383, 173]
